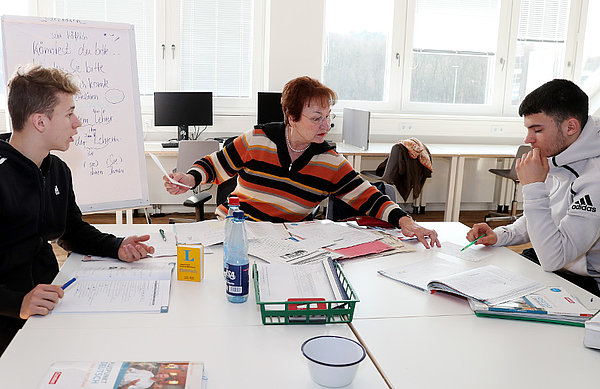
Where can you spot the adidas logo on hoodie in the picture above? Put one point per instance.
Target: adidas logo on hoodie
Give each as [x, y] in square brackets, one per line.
[585, 204]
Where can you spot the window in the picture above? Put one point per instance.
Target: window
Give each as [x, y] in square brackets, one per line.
[590, 72]
[216, 47]
[356, 56]
[468, 57]
[20, 8]
[540, 46]
[140, 13]
[190, 45]
[454, 51]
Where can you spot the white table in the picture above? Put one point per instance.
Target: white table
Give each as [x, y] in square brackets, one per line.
[418, 339]
[474, 352]
[236, 356]
[383, 297]
[423, 340]
[201, 325]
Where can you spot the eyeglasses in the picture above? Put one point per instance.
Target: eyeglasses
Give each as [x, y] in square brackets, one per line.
[321, 119]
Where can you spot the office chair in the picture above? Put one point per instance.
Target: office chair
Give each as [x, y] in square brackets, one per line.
[510, 174]
[189, 152]
[404, 178]
[338, 210]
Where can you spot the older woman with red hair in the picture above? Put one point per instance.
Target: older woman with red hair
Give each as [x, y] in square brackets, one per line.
[285, 170]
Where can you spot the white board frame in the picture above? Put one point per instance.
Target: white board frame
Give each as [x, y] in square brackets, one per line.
[117, 196]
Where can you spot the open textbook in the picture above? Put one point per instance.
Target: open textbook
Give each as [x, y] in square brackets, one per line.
[116, 375]
[118, 287]
[551, 304]
[487, 284]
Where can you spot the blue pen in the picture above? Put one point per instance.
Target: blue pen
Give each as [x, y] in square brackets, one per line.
[68, 283]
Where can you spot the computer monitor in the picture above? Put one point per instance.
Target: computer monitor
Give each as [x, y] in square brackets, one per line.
[269, 108]
[355, 127]
[183, 109]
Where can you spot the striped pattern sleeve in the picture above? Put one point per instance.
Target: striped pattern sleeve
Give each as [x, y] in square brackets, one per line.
[365, 198]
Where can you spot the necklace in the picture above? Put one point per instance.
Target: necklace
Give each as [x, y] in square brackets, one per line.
[287, 139]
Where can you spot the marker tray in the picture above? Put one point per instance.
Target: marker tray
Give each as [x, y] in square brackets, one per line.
[308, 311]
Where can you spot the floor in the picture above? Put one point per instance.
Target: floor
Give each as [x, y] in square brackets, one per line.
[466, 217]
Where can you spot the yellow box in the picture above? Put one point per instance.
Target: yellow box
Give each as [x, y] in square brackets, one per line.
[190, 262]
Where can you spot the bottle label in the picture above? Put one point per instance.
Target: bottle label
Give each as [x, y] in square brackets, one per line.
[237, 279]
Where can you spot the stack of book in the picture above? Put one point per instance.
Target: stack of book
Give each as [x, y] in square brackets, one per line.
[551, 304]
[592, 332]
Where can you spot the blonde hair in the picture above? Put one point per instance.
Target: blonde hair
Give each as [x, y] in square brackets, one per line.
[34, 89]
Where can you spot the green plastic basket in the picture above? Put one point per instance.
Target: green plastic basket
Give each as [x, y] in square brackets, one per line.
[312, 311]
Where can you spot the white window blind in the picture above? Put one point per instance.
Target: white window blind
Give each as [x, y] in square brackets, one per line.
[540, 48]
[543, 20]
[216, 47]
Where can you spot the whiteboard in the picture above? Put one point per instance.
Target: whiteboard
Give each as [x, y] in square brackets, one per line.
[107, 155]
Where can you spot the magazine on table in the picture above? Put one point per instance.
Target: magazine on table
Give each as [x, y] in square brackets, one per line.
[120, 375]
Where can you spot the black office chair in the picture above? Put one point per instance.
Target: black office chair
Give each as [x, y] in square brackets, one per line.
[404, 179]
[225, 189]
[189, 152]
[510, 174]
[337, 210]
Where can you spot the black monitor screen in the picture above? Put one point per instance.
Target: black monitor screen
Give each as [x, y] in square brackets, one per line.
[269, 108]
[183, 109]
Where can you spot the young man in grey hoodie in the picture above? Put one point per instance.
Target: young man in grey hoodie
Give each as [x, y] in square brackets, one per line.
[561, 186]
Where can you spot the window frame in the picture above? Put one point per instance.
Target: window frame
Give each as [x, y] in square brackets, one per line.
[399, 79]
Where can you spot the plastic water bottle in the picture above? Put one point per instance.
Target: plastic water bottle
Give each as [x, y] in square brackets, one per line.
[236, 271]
[234, 205]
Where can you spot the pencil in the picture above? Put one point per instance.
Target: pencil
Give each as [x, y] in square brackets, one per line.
[68, 283]
[473, 242]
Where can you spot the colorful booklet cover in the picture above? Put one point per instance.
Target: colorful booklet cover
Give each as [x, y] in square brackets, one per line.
[551, 304]
[120, 375]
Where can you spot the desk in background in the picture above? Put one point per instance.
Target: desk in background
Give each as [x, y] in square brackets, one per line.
[455, 153]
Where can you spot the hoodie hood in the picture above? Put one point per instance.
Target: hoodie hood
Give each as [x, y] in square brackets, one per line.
[585, 147]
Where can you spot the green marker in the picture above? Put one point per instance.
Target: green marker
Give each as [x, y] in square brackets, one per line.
[473, 242]
[162, 233]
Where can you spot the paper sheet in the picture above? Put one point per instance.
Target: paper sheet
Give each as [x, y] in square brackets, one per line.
[287, 251]
[331, 235]
[118, 287]
[471, 254]
[278, 282]
[162, 168]
[163, 248]
[258, 230]
[207, 232]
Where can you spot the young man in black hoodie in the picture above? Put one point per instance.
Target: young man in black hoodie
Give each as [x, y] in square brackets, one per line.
[37, 202]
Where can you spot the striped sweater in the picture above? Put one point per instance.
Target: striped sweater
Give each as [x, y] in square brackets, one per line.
[272, 188]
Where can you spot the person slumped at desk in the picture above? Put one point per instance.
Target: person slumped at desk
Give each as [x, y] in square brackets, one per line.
[284, 170]
[561, 186]
[37, 200]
